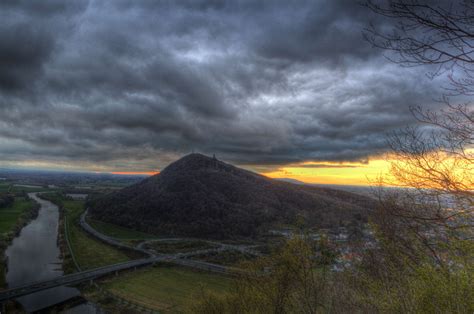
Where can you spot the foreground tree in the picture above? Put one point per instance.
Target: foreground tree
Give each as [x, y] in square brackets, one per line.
[435, 33]
[425, 257]
[435, 160]
[291, 280]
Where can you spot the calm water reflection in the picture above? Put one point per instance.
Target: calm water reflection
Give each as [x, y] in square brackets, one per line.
[34, 255]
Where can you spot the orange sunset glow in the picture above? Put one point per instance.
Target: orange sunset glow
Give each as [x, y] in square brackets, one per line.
[357, 173]
[136, 173]
[340, 173]
[347, 173]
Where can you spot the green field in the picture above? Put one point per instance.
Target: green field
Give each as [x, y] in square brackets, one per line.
[4, 186]
[118, 232]
[226, 258]
[28, 189]
[89, 252]
[166, 289]
[171, 247]
[9, 215]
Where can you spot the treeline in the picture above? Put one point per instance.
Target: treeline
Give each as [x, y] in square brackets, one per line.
[6, 199]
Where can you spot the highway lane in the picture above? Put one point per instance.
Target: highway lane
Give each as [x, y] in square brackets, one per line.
[112, 241]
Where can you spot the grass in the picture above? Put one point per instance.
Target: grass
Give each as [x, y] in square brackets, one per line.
[170, 247]
[226, 258]
[9, 215]
[28, 189]
[166, 289]
[118, 232]
[10, 218]
[89, 252]
[9, 186]
[4, 186]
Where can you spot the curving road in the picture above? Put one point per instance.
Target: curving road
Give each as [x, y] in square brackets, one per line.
[109, 240]
[220, 247]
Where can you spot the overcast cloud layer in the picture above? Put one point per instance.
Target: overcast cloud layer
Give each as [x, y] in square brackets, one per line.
[130, 85]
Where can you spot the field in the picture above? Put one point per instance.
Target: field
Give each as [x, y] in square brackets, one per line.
[14, 188]
[89, 252]
[118, 232]
[9, 216]
[28, 188]
[4, 186]
[166, 289]
[226, 258]
[172, 247]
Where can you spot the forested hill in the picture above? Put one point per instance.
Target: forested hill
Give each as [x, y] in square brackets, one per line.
[204, 197]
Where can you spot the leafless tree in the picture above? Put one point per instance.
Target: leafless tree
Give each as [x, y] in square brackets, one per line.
[438, 33]
[435, 159]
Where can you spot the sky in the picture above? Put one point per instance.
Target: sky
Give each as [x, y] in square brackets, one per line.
[285, 88]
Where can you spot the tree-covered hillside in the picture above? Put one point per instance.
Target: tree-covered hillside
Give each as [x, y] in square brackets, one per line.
[204, 197]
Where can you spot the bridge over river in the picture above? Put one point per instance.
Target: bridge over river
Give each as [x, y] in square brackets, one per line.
[88, 275]
[74, 278]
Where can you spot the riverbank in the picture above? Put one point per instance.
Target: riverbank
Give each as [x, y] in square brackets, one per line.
[34, 255]
[12, 219]
[82, 250]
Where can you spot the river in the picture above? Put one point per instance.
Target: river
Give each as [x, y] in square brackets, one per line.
[35, 255]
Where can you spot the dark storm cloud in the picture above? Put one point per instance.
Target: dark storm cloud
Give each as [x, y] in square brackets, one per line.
[136, 83]
[27, 38]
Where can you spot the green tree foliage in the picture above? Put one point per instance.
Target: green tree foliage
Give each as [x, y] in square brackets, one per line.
[292, 280]
[297, 280]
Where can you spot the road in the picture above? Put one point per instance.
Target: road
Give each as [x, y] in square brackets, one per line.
[109, 240]
[141, 247]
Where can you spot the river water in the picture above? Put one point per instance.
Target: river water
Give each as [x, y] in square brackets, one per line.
[35, 255]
